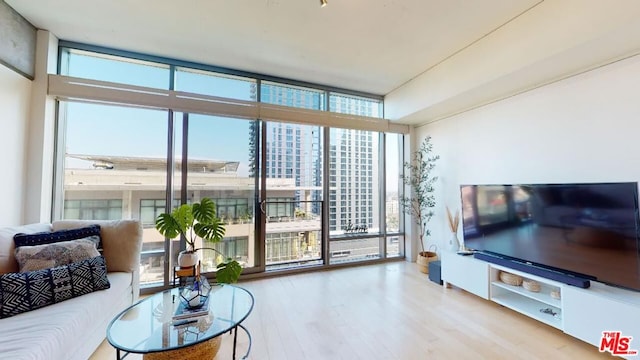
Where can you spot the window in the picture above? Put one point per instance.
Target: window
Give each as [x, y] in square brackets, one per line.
[393, 190]
[149, 211]
[233, 209]
[102, 181]
[280, 207]
[355, 105]
[96, 66]
[93, 209]
[283, 247]
[219, 166]
[215, 84]
[293, 96]
[233, 247]
[350, 185]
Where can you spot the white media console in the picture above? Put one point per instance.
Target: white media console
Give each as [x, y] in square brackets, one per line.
[581, 313]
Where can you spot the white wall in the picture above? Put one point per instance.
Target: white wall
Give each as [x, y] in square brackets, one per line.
[41, 132]
[15, 97]
[583, 129]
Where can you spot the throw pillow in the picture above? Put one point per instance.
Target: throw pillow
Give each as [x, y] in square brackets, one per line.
[22, 292]
[39, 257]
[122, 240]
[49, 237]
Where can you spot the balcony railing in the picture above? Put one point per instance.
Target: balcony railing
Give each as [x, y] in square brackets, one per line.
[293, 233]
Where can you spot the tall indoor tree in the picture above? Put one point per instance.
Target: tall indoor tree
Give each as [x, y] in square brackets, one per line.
[420, 202]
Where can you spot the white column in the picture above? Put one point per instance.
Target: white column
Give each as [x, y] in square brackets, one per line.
[40, 134]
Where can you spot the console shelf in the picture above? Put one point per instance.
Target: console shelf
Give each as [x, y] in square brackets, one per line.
[581, 313]
[542, 296]
[538, 305]
[530, 307]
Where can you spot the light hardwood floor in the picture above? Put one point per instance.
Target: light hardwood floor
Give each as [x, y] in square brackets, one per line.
[385, 311]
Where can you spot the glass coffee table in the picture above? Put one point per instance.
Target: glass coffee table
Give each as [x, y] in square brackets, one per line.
[148, 328]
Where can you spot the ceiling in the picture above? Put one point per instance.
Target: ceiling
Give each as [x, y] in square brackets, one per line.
[431, 59]
[369, 46]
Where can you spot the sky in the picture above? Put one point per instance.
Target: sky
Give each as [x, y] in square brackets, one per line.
[100, 129]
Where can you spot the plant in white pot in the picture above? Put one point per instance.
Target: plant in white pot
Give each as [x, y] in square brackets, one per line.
[421, 200]
[193, 221]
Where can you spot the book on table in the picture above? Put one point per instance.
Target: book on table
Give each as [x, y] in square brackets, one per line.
[184, 312]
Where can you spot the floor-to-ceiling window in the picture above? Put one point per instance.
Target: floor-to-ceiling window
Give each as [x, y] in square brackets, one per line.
[354, 211]
[220, 165]
[219, 168]
[111, 174]
[293, 203]
[293, 171]
[357, 229]
[291, 192]
[393, 219]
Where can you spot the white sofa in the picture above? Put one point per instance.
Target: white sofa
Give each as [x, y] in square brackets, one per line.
[74, 328]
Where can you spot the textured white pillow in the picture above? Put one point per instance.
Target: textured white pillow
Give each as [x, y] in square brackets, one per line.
[47, 256]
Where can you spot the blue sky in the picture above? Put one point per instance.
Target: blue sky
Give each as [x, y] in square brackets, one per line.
[123, 131]
[126, 131]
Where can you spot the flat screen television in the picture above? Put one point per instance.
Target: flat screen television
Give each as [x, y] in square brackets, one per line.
[586, 230]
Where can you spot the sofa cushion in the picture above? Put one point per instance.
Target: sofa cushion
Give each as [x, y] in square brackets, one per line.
[46, 256]
[91, 232]
[121, 241]
[8, 263]
[22, 292]
[70, 330]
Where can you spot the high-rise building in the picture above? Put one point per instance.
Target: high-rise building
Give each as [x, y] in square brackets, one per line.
[294, 151]
[353, 181]
[354, 201]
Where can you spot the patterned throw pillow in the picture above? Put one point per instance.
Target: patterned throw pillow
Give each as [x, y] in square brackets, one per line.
[91, 232]
[39, 257]
[22, 292]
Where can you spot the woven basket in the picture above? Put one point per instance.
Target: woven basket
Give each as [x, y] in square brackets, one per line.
[424, 259]
[555, 294]
[510, 279]
[531, 285]
[204, 350]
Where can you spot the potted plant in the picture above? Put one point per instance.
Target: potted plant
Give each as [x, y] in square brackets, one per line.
[421, 201]
[193, 221]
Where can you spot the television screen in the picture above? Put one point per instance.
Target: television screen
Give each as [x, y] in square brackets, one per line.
[589, 230]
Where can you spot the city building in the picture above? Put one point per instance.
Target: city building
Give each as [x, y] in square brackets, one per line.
[112, 187]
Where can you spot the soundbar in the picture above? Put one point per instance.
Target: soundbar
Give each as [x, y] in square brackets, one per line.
[534, 270]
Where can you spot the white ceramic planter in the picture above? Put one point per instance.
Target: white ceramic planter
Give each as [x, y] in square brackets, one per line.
[187, 258]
